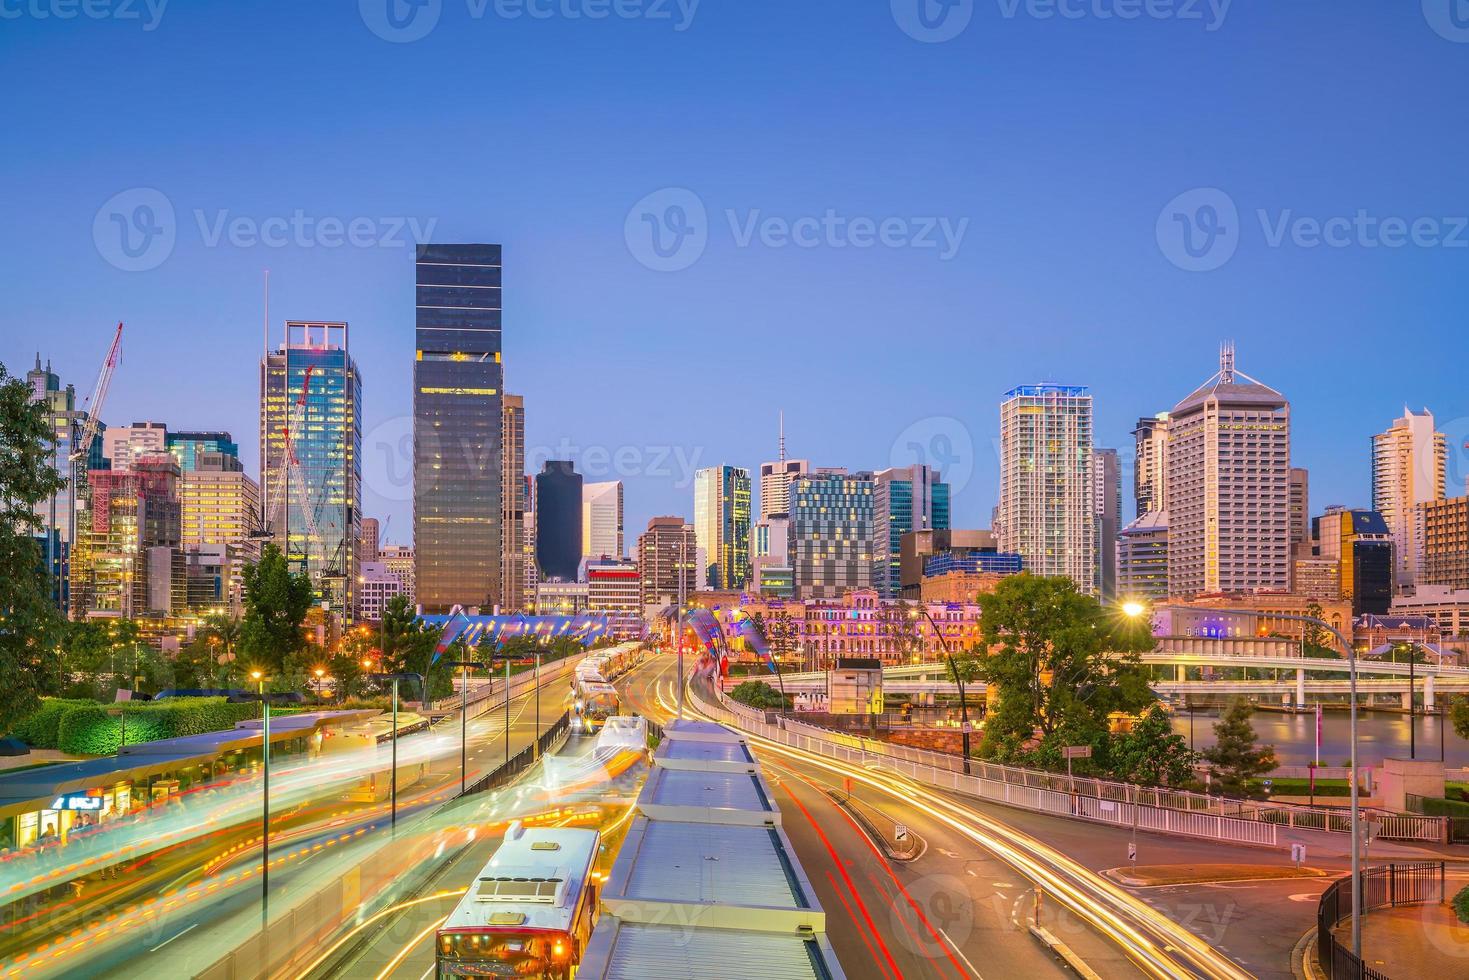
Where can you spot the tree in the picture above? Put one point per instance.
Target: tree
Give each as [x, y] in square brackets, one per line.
[1152, 753]
[29, 621]
[1057, 660]
[898, 625]
[758, 694]
[276, 601]
[1311, 634]
[1234, 758]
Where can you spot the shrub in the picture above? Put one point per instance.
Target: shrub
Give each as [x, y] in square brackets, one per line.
[758, 694]
[1461, 904]
[1445, 808]
[40, 729]
[96, 729]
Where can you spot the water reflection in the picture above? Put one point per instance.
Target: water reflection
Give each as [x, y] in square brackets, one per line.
[1379, 736]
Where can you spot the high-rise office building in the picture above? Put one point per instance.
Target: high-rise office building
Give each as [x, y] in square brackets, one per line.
[219, 508]
[775, 478]
[532, 570]
[601, 520]
[398, 560]
[458, 470]
[722, 523]
[514, 595]
[1359, 542]
[1150, 465]
[1444, 527]
[312, 489]
[1107, 490]
[127, 560]
[831, 532]
[1229, 487]
[667, 553]
[64, 421]
[614, 590]
[368, 543]
[1142, 558]
[558, 521]
[904, 499]
[1300, 512]
[188, 446]
[1047, 511]
[120, 444]
[1409, 461]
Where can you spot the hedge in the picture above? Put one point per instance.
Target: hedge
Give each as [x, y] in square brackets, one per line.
[1461, 904]
[1433, 807]
[40, 729]
[89, 729]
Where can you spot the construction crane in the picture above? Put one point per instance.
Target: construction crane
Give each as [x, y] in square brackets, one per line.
[93, 405]
[291, 473]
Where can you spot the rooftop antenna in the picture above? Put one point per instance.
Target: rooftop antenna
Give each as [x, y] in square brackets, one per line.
[782, 435]
[1226, 362]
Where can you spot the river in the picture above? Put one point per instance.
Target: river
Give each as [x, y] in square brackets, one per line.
[1379, 736]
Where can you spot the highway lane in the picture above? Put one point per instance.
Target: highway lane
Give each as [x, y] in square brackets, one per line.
[217, 888]
[1156, 944]
[401, 945]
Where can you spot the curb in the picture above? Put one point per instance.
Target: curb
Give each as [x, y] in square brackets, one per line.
[1056, 946]
[1303, 958]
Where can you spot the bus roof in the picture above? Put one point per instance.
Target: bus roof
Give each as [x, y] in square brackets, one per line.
[532, 882]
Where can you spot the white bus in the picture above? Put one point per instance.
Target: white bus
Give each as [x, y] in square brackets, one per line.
[529, 913]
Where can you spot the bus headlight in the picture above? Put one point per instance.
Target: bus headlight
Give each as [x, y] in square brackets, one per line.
[558, 950]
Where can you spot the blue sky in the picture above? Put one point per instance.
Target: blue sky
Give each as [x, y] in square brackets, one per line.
[1078, 163]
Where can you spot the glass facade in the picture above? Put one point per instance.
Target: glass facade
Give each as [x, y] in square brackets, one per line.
[911, 498]
[831, 531]
[722, 524]
[313, 508]
[558, 521]
[458, 386]
[188, 446]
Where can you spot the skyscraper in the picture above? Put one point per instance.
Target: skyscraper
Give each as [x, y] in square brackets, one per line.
[601, 520]
[219, 507]
[311, 394]
[1107, 483]
[666, 553]
[1047, 511]
[369, 540]
[1409, 461]
[64, 421]
[514, 594]
[1300, 512]
[1142, 558]
[1359, 542]
[830, 533]
[722, 524]
[1229, 487]
[904, 499]
[558, 521]
[775, 478]
[1150, 465]
[458, 468]
[127, 560]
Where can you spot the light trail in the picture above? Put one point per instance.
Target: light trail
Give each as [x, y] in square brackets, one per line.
[1107, 908]
[412, 944]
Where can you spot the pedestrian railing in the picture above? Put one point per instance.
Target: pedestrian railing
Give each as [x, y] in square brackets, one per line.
[1387, 886]
[1266, 816]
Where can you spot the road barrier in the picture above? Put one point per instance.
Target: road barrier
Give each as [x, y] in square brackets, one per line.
[1387, 886]
[1163, 810]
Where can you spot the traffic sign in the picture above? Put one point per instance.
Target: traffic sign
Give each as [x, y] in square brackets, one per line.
[900, 833]
[1076, 752]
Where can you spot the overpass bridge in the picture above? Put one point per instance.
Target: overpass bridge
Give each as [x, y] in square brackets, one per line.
[1226, 674]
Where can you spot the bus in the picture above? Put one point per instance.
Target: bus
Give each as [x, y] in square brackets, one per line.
[596, 701]
[529, 912]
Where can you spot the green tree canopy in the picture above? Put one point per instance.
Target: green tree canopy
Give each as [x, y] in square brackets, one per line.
[1057, 659]
[1234, 758]
[276, 602]
[1151, 753]
[29, 620]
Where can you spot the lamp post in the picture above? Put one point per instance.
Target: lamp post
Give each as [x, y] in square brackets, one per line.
[259, 678]
[464, 666]
[958, 682]
[393, 778]
[1134, 609]
[537, 742]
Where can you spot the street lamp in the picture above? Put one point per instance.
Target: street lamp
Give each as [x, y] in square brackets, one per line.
[259, 678]
[464, 666]
[958, 682]
[393, 779]
[1133, 610]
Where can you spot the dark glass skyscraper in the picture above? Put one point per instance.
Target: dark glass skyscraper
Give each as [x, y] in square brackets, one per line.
[558, 520]
[457, 392]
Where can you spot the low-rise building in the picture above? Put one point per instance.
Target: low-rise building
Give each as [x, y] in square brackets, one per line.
[377, 585]
[614, 590]
[1448, 608]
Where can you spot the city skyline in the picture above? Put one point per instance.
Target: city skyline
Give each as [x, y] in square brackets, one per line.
[1129, 323]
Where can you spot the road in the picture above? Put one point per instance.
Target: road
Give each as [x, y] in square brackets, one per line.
[183, 907]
